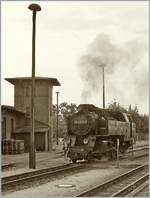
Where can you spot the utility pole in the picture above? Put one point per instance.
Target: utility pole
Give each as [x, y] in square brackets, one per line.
[103, 86]
[32, 158]
[57, 120]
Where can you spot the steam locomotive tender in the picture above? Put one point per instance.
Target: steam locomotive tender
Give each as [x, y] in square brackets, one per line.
[93, 133]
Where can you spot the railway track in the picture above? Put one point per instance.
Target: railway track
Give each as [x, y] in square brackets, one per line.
[141, 191]
[19, 180]
[138, 149]
[140, 156]
[121, 185]
[13, 181]
[129, 188]
[136, 152]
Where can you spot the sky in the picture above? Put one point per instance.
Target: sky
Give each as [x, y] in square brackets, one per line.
[73, 39]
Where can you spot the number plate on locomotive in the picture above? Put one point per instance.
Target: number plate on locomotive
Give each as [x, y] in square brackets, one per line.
[80, 122]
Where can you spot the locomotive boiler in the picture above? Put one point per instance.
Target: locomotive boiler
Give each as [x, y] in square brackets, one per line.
[93, 133]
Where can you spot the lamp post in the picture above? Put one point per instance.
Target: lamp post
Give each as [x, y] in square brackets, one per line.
[57, 120]
[32, 162]
[103, 71]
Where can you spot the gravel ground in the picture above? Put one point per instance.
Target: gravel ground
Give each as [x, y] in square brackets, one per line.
[80, 181]
[144, 192]
[99, 173]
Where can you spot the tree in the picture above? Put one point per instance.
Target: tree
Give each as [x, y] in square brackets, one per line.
[65, 110]
[134, 110]
[116, 106]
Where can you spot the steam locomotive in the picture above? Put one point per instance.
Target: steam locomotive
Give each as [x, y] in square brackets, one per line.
[93, 133]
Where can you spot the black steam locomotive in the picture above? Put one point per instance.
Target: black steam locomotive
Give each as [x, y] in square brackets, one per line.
[93, 133]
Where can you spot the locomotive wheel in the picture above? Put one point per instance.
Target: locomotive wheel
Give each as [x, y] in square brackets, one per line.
[113, 154]
[99, 157]
[89, 157]
[122, 150]
[74, 160]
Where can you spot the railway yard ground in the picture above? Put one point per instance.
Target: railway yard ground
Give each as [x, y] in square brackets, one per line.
[20, 162]
[71, 183]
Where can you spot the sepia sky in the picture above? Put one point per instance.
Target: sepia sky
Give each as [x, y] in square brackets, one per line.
[68, 31]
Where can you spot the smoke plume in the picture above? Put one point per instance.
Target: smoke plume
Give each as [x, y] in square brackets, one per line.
[124, 67]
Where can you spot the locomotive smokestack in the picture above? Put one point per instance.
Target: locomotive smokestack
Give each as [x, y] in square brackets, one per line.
[103, 86]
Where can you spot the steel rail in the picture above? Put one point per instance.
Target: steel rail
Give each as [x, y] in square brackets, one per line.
[138, 149]
[139, 189]
[108, 183]
[127, 189]
[135, 151]
[142, 155]
[33, 172]
[11, 181]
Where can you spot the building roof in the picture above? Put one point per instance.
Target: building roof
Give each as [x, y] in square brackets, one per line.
[27, 129]
[11, 108]
[52, 81]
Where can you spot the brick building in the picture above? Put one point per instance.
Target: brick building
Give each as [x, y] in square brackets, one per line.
[16, 120]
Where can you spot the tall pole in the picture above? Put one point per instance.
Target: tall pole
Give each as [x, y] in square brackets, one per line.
[57, 120]
[103, 87]
[118, 153]
[32, 157]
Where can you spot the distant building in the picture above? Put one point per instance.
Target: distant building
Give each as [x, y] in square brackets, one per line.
[16, 120]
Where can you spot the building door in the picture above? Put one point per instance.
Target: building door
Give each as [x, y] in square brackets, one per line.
[40, 141]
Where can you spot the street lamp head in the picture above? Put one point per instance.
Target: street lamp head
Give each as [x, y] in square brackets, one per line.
[34, 7]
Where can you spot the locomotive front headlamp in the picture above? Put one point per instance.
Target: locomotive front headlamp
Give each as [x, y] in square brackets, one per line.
[85, 141]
